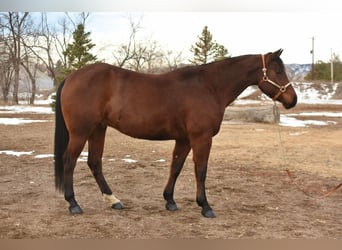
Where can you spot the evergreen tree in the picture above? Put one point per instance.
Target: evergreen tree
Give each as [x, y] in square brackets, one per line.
[206, 50]
[78, 52]
[323, 70]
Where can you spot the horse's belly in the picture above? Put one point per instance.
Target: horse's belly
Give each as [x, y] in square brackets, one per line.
[145, 132]
[149, 128]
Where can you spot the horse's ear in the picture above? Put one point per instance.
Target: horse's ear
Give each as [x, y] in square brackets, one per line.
[278, 52]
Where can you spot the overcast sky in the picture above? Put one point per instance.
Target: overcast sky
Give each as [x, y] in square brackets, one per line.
[239, 32]
[243, 26]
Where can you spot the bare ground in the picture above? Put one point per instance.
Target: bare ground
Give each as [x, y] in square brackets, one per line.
[247, 185]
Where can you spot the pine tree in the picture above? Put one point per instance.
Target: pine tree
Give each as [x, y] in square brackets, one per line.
[78, 52]
[323, 70]
[206, 50]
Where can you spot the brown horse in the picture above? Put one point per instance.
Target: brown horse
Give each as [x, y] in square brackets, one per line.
[185, 105]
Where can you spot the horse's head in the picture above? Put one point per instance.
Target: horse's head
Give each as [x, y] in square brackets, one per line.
[274, 82]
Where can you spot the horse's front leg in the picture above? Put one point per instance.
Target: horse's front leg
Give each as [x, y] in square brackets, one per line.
[201, 150]
[180, 152]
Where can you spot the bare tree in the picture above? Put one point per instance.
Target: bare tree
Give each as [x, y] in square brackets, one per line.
[148, 57]
[42, 45]
[51, 42]
[79, 18]
[16, 24]
[30, 64]
[6, 68]
[173, 60]
[62, 38]
[48, 43]
[143, 55]
[127, 52]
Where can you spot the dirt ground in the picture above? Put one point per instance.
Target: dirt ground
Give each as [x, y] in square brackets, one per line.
[247, 185]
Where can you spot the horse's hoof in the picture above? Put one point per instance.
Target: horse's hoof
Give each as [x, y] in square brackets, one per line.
[118, 205]
[75, 210]
[208, 214]
[171, 206]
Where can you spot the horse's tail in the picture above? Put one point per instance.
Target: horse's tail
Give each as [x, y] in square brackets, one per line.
[61, 141]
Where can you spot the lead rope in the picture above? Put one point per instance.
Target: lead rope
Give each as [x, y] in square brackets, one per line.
[290, 175]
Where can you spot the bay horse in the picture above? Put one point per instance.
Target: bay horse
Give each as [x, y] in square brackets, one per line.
[186, 105]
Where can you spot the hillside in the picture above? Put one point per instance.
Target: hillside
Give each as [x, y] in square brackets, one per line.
[297, 72]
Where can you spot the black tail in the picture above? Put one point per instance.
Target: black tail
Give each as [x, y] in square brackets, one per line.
[61, 141]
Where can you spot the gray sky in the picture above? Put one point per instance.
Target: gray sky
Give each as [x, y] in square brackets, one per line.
[239, 32]
[242, 26]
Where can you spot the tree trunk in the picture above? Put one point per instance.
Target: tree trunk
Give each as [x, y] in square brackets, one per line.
[264, 114]
[16, 81]
[34, 88]
[32, 79]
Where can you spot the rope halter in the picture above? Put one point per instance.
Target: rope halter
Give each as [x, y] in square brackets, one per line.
[282, 89]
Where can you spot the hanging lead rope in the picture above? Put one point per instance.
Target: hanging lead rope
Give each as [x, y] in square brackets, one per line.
[290, 175]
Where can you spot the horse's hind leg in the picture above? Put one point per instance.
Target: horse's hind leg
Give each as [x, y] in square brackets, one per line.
[95, 147]
[74, 149]
[180, 152]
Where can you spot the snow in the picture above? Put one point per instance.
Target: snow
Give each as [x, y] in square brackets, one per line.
[48, 101]
[16, 153]
[18, 121]
[326, 114]
[293, 122]
[128, 160]
[27, 109]
[83, 157]
[42, 156]
[314, 93]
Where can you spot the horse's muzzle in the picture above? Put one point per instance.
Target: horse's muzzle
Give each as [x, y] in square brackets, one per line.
[289, 105]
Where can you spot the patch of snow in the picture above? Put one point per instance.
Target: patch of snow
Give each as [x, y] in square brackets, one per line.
[19, 109]
[84, 154]
[326, 114]
[83, 157]
[314, 93]
[161, 160]
[41, 156]
[293, 122]
[18, 121]
[16, 153]
[128, 160]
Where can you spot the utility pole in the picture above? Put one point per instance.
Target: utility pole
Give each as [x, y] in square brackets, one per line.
[313, 58]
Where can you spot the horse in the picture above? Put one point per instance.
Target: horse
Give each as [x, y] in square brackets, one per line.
[185, 105]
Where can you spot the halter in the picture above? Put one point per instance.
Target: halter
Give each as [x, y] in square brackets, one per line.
[282, 89]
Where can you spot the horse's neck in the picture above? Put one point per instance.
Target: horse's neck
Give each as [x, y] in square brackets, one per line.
[235, 75]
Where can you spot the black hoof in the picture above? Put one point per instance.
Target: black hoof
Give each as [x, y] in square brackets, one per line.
[171, 206]
[208, 214]
[75, 210]
[118, 205]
